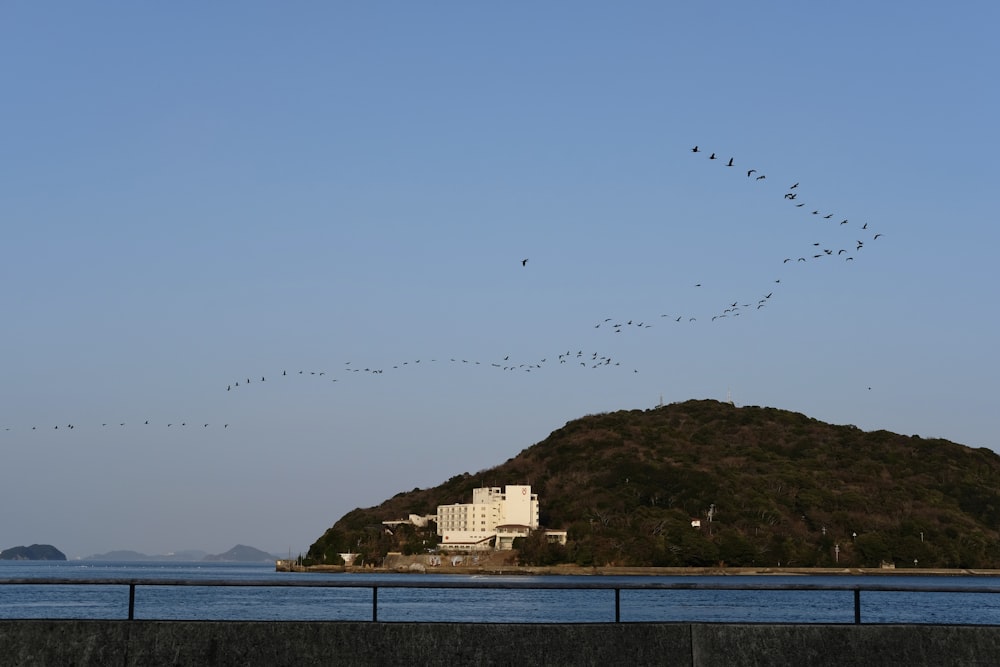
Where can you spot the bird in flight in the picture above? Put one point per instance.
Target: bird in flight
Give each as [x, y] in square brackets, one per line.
[695, 150]
[730, 164]
[524, 262]
[752, 171]
[712, 156]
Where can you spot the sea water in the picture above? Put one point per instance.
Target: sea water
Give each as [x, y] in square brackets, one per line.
[430, 604]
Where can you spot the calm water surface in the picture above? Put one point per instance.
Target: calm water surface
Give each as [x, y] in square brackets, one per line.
[476, 606]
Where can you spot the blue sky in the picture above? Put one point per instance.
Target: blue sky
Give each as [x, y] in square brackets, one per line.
[192, 196]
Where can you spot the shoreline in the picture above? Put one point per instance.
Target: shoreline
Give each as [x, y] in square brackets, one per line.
[609, 571]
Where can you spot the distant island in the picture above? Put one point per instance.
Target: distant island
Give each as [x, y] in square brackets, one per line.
[34, 552]
[242, 554]
[238, 554]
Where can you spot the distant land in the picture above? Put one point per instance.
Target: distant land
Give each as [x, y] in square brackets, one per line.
[238, 554]
[242, 554]
[704, 483]
[34, 552]
[126, 555]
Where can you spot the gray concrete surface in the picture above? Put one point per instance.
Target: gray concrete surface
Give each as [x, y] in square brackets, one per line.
[154, 643]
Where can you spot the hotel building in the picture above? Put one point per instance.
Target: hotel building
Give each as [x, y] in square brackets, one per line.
[491, 521]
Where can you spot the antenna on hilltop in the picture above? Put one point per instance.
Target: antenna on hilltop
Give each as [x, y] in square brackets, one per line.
[729, 397]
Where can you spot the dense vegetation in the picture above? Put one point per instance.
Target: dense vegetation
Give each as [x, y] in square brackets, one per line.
[770, 487]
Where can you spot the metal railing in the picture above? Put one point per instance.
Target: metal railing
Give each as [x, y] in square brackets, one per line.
[617, 587]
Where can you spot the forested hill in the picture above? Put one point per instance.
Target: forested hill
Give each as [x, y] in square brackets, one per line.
[769, 486]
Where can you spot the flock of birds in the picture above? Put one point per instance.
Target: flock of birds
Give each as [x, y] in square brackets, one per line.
[819, 251]
[571, 359]
[791, 195]
[578, 358]
[117, 425]
[595, 360]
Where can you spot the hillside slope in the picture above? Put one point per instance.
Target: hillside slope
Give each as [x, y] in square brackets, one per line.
[770, 487]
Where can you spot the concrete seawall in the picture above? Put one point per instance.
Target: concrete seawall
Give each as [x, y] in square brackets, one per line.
[154, 643]
[500, 563]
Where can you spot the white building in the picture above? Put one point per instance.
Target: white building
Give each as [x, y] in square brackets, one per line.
[414, 520]
[491, 521]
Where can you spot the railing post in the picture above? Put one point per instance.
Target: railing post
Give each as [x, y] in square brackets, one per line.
[857, 606]
[618, 605]
[131, 601]
[374, 604]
